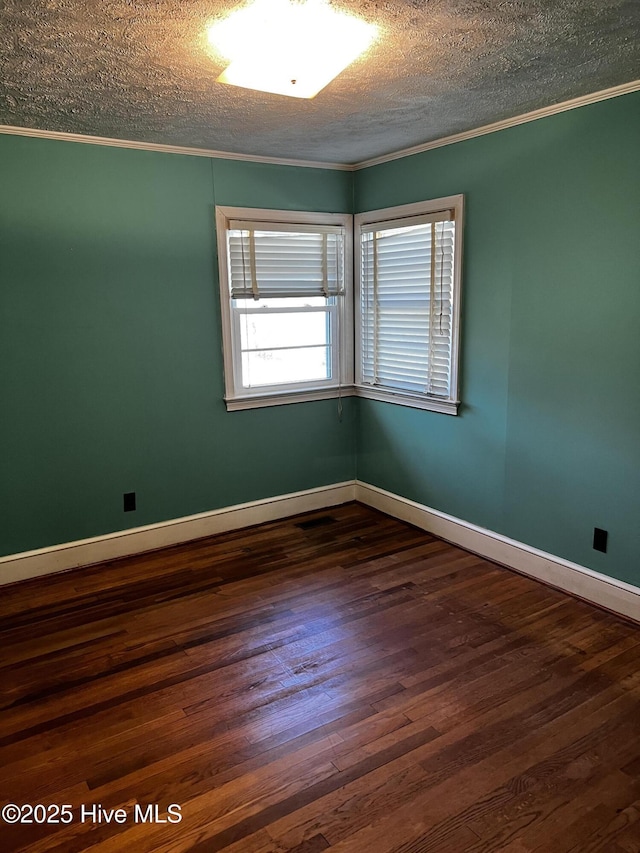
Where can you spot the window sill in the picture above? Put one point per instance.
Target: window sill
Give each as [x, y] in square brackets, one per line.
[446, 407]
[260, 401]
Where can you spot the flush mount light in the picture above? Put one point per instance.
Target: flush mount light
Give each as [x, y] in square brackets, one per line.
[289, 48]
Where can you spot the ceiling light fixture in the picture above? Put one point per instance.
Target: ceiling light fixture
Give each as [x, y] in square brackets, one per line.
[289, 48]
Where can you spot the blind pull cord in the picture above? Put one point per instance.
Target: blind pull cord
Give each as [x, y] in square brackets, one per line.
[441, 271]
[338, 341]
[252, 257]
[325, 272]
[432, 294]
[375, 308]
[244, 267]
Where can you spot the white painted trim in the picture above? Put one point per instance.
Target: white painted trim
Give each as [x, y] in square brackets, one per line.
[615, 595]
[385, 216]
[61, 136]
[563, 106]
[584, 100]
[124, 543]
[399, 213]
[287, 217]
[430, 404]
[278, 399]
[237, 397]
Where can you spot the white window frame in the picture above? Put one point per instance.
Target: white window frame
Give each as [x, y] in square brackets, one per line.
[420, 401]
[341, 382]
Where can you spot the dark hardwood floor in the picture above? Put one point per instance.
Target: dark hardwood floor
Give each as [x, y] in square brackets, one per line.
[338, 680]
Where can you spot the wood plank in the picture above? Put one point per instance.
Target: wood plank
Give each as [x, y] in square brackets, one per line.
[357, 686]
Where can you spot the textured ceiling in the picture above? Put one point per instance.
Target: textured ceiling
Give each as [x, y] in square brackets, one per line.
[142, 70]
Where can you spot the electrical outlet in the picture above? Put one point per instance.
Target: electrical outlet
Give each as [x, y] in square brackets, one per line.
[129, 501]
[600, 539]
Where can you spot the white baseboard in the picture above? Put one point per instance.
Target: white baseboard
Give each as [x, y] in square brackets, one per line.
[615, 595]
[124, 543]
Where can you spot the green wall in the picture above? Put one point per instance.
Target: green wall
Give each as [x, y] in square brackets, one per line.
[110, 357]
[111, 365]
[547, 443]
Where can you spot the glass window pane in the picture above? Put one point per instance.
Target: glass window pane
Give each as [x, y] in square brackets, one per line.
[263, 331]
[269, 367]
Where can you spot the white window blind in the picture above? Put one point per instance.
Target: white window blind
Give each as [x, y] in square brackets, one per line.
[407, 284]
[284, 260]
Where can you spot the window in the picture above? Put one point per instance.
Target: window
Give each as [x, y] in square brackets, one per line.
[408, 292]
[285, 288]
[287, 305]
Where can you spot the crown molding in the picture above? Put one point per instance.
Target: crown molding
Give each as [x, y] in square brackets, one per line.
[61, 136]
[563, 106]
[583, 100]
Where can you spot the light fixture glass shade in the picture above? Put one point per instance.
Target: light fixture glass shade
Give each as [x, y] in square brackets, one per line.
[288, 48]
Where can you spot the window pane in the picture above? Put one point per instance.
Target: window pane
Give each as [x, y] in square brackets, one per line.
[264, 331]
[269, 367]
